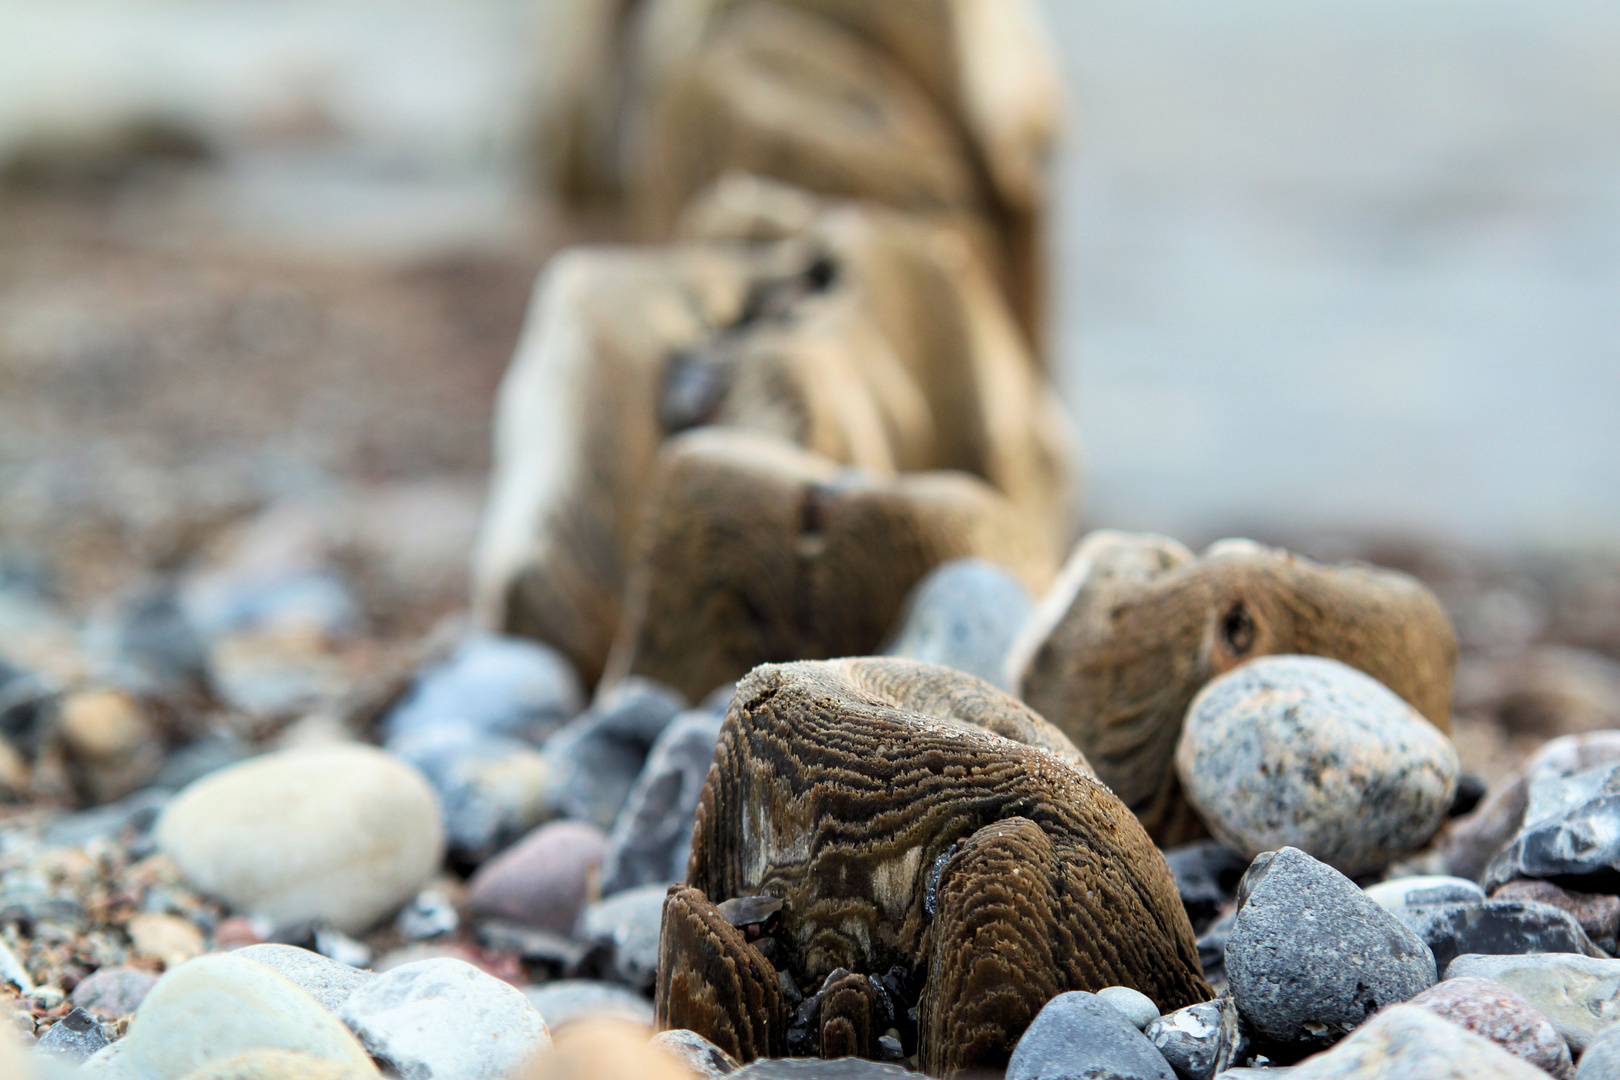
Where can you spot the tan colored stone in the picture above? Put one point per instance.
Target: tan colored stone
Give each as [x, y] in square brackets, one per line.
[603, 1049]
[166, 938]
[279, 1065]
[108, 736]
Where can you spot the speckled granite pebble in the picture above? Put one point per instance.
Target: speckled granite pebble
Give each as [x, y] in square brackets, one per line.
[1579, 994]
[1307, 752]
[1410, 1043]
[1494, 1012]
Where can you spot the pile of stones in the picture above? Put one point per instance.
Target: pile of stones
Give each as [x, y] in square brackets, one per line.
[785, 741]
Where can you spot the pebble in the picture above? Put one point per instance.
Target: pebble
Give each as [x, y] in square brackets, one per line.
[1579, 994]
[491, 789]
[115, 748]
[1602, 1059]
[279, 1065]
[146, 642]
[224, 1004]
[432, 914]
[325, 980]
[1311, 956]
[652, 838]
[626, 928]
[1134, 1005]
[114, 992]
[598, 755]
[1410, 1043]
[1494, 1012]
[445, 1020]
[1571, 833]
[1307, 752]
[1472, 842]
[343, 833]
[1598, 913]
[165, 938]
[1199, 1040]
[964, 614]
[1078, 1036]
[492, 685]
[13, 971]
[75, 1037]
[1207, 873]
[1496, 927]
[849, 1068]
[566, 1000]
[698, 1055]
[606, 1049]
[545, 879]
[1424, 889]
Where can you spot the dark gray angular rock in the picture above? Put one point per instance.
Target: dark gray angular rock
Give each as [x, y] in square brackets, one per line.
[1207, 874]
[963, 614]
[1078, 1036]
[1311, 956]
[1598, 913]
[624, 931]
[1497, 928]
[1571, 834]
[597, 756]
[1200, 1040]
[652, 839]
[492, 685]
[75, 1037]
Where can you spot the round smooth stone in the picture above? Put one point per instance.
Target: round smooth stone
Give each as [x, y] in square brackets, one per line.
[221, 1005]
[1134, 1005]
[343, 833]
[278, 1065]
[1307, 752]
[325, 980]
[114, 992]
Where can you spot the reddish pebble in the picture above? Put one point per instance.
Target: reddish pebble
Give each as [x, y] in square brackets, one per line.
[236, 933]
[1492, 1011]
[543, 880]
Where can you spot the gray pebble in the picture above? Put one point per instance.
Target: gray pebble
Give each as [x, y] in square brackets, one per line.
[1134, 1005]
[1602, 1059]
[963, 614]
[652, 839]
[1424, 889]
[323, 979]
[1199, 1040]
[699, 1055]
[1307, 752]
[1571, 833]
[492, 685]
[1078, 1036]
[566, 1000]
[597, 756]
[1496, 927]
[626, 928]
[1311, 956]
[492, 789]
[75, 1037]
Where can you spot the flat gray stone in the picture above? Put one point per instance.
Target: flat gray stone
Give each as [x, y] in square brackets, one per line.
[1496, 927]
[1424, 889]
[964, 614]
[652, 838]
[1311, 956]
[566, 1000]
[627, 926]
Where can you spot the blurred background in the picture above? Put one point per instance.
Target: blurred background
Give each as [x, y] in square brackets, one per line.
[1342, 275]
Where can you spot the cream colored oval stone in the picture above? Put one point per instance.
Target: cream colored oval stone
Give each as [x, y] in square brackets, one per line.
[278, 1065]
[342, 832]
[217, 1007]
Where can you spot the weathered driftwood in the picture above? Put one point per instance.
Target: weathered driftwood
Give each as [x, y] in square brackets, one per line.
[1136, 625]
[928, 833]
[940, 106]
[756, 551]
[872, 339]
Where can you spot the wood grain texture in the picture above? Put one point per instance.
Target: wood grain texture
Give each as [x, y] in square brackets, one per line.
[1136, 625]
[876, 800]
[712, 981]
[756, 551]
